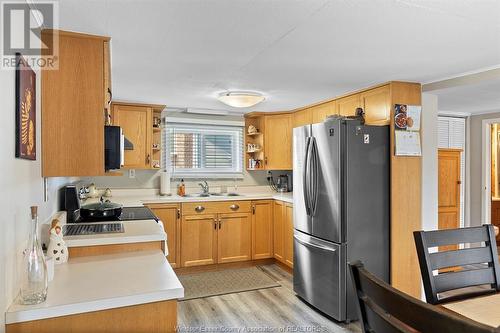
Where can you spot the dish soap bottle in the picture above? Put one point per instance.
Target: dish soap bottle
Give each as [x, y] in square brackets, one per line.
[34, 282]
[182, 188]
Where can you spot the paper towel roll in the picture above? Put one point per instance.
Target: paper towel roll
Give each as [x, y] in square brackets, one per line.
[165, 183]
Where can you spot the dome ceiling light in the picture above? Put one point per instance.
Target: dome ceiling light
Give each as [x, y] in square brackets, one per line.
[241, 99]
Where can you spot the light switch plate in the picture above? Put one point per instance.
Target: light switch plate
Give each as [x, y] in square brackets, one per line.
[131, 173]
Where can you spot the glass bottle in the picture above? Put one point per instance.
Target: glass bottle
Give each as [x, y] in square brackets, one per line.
[34, 281]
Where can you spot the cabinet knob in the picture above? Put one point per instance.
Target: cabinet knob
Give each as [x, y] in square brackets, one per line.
[234, 207]
[199, 209]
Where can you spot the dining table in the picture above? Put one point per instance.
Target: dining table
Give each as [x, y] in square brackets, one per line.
[483, 309]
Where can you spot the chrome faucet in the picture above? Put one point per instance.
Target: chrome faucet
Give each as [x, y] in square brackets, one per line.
[204, 187]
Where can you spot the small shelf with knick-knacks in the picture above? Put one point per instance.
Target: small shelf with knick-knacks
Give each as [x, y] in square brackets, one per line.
[254, 143]
[156, 144]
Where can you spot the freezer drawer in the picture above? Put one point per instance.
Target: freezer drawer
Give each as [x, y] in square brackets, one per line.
[319, 274]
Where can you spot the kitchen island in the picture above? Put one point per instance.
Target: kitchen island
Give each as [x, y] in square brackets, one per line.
[125, 292]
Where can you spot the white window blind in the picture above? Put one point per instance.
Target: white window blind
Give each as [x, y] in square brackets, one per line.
[451, 134]
[193, 150]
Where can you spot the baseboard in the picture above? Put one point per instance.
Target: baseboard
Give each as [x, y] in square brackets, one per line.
[232, 265]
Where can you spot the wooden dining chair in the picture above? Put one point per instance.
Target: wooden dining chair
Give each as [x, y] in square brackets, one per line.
[457, 274]
[383, 309]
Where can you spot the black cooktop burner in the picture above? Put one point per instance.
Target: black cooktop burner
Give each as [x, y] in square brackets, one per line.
[128, 214]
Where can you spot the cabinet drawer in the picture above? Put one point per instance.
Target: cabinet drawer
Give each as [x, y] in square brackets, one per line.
[198, 208]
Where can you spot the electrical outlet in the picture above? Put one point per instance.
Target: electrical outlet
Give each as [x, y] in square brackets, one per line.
[269, 173]
[131, 173]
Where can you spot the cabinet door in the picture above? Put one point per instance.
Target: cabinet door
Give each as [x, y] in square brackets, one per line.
[278, 229]
[278, 142]
[303, 117]
[288, 235]
[107, 78]
[72, 112]
[377, 106]
[198, 240]
[320, 112]
[347, 106]
[262, 229]
[136, 122]
[234, 237]
[170, 217]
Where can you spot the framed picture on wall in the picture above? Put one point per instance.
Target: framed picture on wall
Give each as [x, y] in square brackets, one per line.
[25, 110]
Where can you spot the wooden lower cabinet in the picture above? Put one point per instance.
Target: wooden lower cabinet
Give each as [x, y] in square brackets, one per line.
[265, 231]
[262, 229]
[288, 234]
[278, 224]
[234, 238]
[198, 240]
[157, 317]
[170, 215]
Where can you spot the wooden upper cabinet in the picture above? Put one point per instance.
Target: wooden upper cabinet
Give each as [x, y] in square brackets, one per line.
[107, 79]
[262, 229]
[321, 111]
[234, 238]
[278, 142]
[199, 240]
[346, 106]
[302, 117]
[377, 105]
[169, 214]
[137, 124]
[73, 113]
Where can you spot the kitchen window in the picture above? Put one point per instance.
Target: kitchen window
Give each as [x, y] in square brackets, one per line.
[194, 150]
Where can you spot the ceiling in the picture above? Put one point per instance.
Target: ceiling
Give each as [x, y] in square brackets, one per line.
[183, 52]
[477, 98]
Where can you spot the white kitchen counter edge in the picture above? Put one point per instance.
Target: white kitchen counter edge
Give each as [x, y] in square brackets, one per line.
[168, 288]
[116, 240]
[97, 305]
[130, 201]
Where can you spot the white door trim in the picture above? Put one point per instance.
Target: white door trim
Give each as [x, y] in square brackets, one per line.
[486, 170]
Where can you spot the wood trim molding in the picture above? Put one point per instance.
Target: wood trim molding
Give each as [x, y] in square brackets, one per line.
[219, 267]
[74, 34]
[155, 107]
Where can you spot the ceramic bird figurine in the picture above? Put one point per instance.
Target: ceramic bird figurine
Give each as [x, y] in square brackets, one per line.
[57, 247]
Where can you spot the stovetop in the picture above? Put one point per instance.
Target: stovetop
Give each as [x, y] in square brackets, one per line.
[128, 214]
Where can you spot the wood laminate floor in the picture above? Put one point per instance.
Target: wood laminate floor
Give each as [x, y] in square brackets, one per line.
[265, 310]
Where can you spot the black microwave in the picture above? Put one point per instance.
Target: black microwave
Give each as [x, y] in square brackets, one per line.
[114, 147]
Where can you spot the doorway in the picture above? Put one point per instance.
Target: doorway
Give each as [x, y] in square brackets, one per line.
[449, 184]
[490, 200]
[491, 173]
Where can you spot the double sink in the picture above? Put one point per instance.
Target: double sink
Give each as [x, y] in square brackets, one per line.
[207, 195]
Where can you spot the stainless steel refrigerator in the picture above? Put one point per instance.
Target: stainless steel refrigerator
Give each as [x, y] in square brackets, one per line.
[341, 210]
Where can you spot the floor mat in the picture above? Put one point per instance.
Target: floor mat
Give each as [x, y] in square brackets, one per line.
[225, 282]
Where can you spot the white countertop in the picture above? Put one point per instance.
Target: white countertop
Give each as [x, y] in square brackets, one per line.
[134, 200]
[103, 282]
[134, 232]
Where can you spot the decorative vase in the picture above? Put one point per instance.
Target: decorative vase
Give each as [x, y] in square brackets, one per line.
[34, 281]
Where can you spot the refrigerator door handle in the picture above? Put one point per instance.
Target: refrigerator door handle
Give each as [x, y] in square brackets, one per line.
[317, 246]
[305, 182]
[314, 171]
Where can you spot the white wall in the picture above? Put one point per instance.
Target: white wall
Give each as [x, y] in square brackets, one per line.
[476, 157]
[429, 161]
[21, 186]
